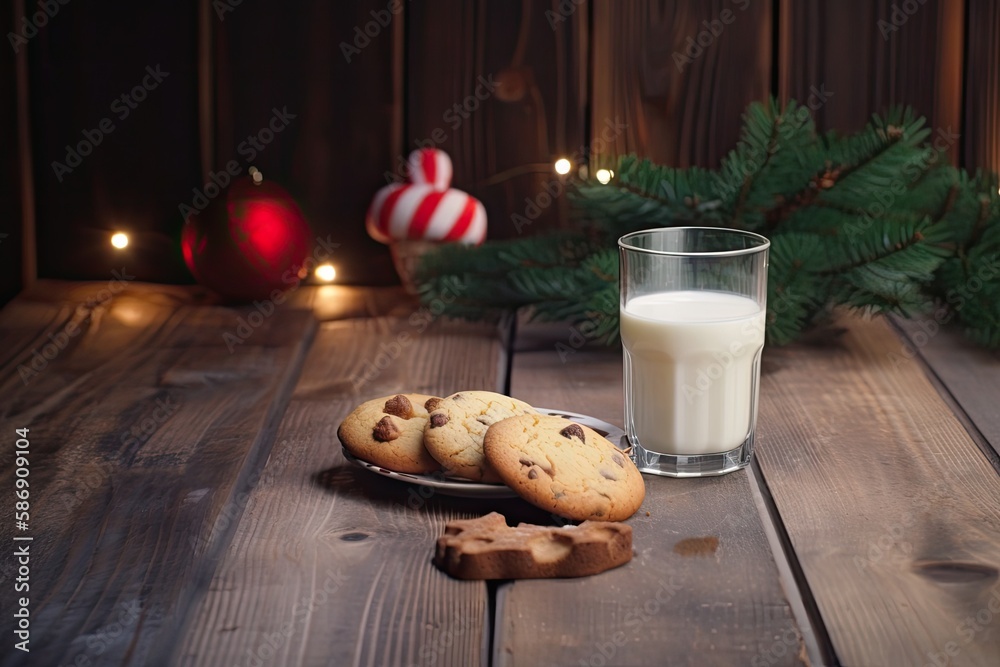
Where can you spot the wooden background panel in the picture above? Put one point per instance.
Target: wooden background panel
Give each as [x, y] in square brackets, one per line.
[143, 430]
[331, 561]
[341, 83]
[719, 605]
[982, 86]
[134, 178]
[10, 161]
[892, 510]
[502, 146]
[677, 112]
[871, 54]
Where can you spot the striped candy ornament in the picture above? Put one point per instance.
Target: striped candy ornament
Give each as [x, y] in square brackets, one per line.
[431, 167]
[417, 211]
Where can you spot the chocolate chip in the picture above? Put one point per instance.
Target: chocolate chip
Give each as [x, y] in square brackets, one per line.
[617, 458]
[607, 474]
[386, 430]
[532, 474]
[431, 404]
[571, 430]
[526, 462]
[399, 406]
[438, 420]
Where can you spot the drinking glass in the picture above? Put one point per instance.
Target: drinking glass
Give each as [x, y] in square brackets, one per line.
[693, 308]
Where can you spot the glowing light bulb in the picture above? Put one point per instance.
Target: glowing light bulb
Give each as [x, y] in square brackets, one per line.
[563, 166]
[326, 273]
[119, 240]
[604, 176]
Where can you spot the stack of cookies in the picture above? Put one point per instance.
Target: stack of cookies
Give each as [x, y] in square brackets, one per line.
[560, 466]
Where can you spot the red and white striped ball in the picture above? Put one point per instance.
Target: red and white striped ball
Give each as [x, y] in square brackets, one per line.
[430, 166]
[413, 211]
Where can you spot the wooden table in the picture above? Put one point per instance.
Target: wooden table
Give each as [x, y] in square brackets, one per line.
[189, 503]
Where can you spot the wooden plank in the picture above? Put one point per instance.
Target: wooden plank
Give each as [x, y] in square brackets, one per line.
[53, 307]
[533, 54]
[331, 564]
[681, 101]
[897, 56]
[982, 86]
[969, 373]
[890, 507]
[339, 302]
[672, 605]
[143, 431]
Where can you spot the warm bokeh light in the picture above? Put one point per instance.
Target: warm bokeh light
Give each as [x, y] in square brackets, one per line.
[563, 166]
[604, 176]
[326, 273]
[119, 240]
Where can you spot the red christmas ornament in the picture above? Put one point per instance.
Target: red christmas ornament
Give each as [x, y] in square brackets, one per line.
[249, 241]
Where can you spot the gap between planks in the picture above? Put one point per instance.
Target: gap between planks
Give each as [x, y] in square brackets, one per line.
[817, 642]
[906, 332]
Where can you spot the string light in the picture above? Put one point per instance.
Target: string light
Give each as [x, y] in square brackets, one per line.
[563, 166]
[604, 176]
[119, 240]
[326, 273]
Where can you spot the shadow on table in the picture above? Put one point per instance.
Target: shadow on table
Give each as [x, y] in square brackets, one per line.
[348, 480]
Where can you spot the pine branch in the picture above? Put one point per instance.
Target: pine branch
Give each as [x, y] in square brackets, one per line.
[875, 221]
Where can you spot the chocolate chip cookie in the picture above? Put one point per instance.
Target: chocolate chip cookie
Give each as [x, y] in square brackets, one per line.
[389, 432]
[564, 468]
[456, 428]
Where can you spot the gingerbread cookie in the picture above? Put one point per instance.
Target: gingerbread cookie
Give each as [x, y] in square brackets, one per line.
[487, 548]
[564, 468]
[389, 432]
[457, 425]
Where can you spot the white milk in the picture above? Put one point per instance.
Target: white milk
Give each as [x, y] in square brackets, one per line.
[691, 370]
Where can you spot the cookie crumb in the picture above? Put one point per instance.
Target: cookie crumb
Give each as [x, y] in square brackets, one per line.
[697, 546]
[647, 513]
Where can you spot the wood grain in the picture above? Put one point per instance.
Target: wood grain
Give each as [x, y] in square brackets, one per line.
[871, 54]
[144, 429]
[969, 373]
[982, 86]
[685, 599]
[892, 510]
[503, 145]
[681, 104]
[341, 85]
[315, 523]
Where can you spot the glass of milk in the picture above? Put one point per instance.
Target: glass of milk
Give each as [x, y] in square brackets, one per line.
[693, 304]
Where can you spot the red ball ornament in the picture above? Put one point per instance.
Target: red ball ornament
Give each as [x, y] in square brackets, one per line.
[250, 240]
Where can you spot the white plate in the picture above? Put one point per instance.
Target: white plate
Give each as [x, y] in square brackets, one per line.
[452, 486]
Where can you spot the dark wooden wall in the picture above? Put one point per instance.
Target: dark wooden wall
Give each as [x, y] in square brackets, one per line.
[11, 227]
[585, 79]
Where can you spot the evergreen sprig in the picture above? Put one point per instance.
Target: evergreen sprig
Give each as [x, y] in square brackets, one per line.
[876, 221]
